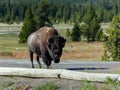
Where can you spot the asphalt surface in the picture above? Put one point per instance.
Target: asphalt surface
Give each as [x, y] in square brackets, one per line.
[76, 65]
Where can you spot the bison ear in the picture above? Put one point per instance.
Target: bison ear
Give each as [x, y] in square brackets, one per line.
[63, 41]
[50, 40]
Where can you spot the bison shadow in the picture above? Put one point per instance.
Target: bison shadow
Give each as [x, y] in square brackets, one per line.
[86, 68]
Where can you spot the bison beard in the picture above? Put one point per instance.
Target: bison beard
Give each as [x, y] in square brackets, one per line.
[47, 44]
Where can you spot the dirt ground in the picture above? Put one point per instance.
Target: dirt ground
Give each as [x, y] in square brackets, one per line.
[19, 83]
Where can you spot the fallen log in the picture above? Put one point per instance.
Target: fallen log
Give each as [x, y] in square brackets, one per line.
[99, 77]
[57, 73]
[28, 72]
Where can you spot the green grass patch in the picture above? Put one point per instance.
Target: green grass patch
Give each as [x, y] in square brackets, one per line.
[47, 86]
[9, 43]
[86, 85]
[109, 85]
[5, 84]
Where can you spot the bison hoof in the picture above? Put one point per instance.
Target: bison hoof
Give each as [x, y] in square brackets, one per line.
[49, 67]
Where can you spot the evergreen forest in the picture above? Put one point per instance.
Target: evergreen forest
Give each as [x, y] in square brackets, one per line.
[66, 11]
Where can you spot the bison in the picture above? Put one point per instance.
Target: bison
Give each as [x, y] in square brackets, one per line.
[47, 44]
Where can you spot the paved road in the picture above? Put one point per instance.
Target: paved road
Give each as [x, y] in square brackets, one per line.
[89, 66]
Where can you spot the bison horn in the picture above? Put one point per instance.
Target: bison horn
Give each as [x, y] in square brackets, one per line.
[65, 39]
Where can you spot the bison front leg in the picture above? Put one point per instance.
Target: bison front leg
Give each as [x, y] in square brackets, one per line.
[47, 61]
[49, 64]
[49, 67]
[37, 57]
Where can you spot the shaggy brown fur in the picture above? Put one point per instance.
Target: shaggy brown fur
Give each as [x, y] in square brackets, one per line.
[46, 43]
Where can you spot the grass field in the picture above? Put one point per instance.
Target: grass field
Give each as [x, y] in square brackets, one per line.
[6, 28]
[9, 45]
[83, 50]
[10, 48]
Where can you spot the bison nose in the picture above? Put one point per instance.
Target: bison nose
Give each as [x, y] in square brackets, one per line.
[56, 60]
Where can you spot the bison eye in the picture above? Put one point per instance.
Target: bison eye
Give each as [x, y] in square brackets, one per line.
[50, 41]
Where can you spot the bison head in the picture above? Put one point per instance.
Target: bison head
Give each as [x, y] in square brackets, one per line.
[54, 46]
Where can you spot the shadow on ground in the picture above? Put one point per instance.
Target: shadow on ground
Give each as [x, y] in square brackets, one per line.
[86, 68]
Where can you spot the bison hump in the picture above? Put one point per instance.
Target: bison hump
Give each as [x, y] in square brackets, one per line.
[50, 31]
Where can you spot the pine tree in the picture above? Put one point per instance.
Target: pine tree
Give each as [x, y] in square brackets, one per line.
[29, 26]
[100, 15]
[90, 24]
[7, 17]
[98, 35]
[112, 43]
[42, 15]
[68, 34]
[76, 33]
[94, 28]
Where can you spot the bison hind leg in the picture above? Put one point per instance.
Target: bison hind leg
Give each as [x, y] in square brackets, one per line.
[37, 58]
[31, 58]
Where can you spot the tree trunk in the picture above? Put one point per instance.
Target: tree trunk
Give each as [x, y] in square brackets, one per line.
[57, 73]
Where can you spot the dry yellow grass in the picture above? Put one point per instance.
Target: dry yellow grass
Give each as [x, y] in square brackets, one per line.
[83, 51]
[72, 51]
